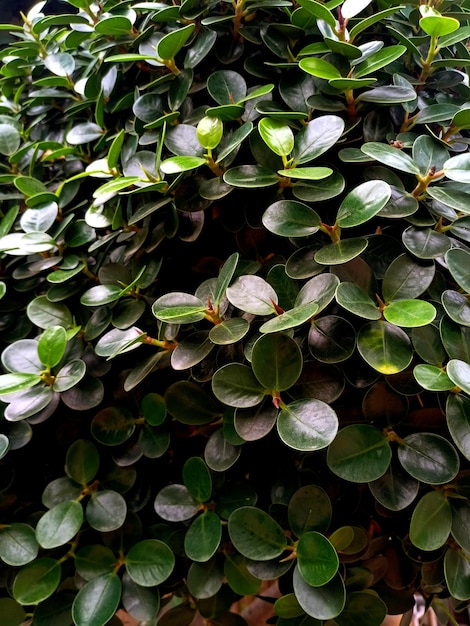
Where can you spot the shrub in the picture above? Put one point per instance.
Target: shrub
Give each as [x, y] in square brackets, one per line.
[234, 311]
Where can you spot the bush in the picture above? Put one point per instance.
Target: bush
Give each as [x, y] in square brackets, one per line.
[234, 311]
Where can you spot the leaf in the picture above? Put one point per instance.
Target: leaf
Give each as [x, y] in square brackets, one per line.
[188, 403]
[396, 489]
[178, 164]
[457, 261]
[171, 43]
[459, 373]
[388, 155]
[12, 612]
[341, 252]
[209, 132]
[318, 136]
[277, 135]
[255, 534]
[149, 562]
[409, 313]
[220, 454]
[175, 503]
[106, 511]
[84, 133]
[191, 350]
[276, 361]
[18, 544]
[82, 461]
[429, 458]
[11, 383]
[458, 168]
[355, 300]
[385, 347]
[362, 203]
[364, 606]
[179, 308]
[51, 345]
[290, 218]
[322, 603]
[10, 139]
[331, 339]
[309, 509]
[229, 331]
[226, 86]
[253, 295]
[37, 581]
[203, 537]
[458, 421]
[235, 384]
[438, 25]
[60, 524]
[457, 574]
[290, 319]
[378, 60]
[350, 8]
[60, 64]
[432, 378]
[69, 375]
[317, 559]
[431, 521]
[94, 560]
[319, 68]
[406, 279]
[425, 243]
[307, 425]
[197, 479]
[224, 279]
[318, 10]
[250, 177]
[360, 453]
[97, 601]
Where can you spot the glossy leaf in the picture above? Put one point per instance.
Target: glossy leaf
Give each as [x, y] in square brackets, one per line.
[277, 136]
[385, 347]
[290, 218]
[255, 534]
[359, 453]
[197, 479]
[149, 562]
[307, 424]
[97, 600]
[429, 458]
[331, 339]
[355, 300]
[309, 509]
[290, 319]
[276, 361]
[322, 603]
[253, 295]
[317, 137]
[431, 521]
[82, 461]
[171, 43]
[388, 155]
[395, 489]
[362, 203]
[459, 373]
[458, 422]
[409, 313]
[458, 261]
[190, 404]
[235, 385]
[203, 537]
[37, 581]
[106, 510]
[60, 524]
[406, 279]
[341, 252]
[457, 574]
[317, 559]
[432, 378]
[18, 544]
[175, 503]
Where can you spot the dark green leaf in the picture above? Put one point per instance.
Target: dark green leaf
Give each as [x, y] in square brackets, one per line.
[431, 521]
[255, 534]
[429, 458]
[307, 424]
[203, 537]
[97, 601]
[37, 581]
[60, 524]
[322, 603]
[149, 562]
[385, 347]
[276, 361]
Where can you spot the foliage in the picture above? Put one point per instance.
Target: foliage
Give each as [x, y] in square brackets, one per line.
[235, 281]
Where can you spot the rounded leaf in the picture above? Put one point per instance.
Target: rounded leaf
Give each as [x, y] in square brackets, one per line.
[253, 295]
[459, 373]
[18, 544]
[82, 461]
[307, 424]
[322, 603]
[385, 347]
[458, 422]
[290, 218]
[457, 574]
[255, 534]
[395, 489]
[409, 313]
[97, 601]
[360, 453]
[106, 511]
[317, 559]
[309, 509]
[431, 521]
[175, 503]
[203, 537]
[341, 252]
[276, 361]
[277, 135]
[235, 384]
[363, 202]
[197, 479]
[37, 581]
[149, 562]
[60, 524]
[190, 404]
[429, 458]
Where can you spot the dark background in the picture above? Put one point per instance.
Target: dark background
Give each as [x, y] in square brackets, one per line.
[10, 9]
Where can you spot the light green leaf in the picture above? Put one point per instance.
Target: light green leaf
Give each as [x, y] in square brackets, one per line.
[277, 135]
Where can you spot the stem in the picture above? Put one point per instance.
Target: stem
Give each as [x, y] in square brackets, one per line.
[237, 22]
[427, 69]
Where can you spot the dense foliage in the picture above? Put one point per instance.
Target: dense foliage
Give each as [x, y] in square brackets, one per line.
[235, 317]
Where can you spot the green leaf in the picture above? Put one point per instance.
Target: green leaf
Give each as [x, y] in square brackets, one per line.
[391, 156]
[317, 559]
[431, 521]
[429, 458]
[406, 279]
[350, 8]
[459, 373]
[253, 295]
[106, 510]
[458, 168]
[290, 319]
[4, 447]
[219, 453]
[319, 68]
[37, 581]
[190, 404]
[355, 300]
[97, 601]
[290, 218]
[385, 347]
[60, 524]
[114, 26]
[457, 574]
[250, 177]
[191, 350]
[238, 577]
[362, 203]
[456, 307]
[341, 252]
[224, 279]
[12, 612]
[226, 86]
[197, 479]
[409, 313]
[10, 139]
[179, 308]
[94, 560]
[379, 59]
[458, 261]
[229, 331]
[255, 534]
[432, 378]
[395, 490]
[11, 383]
[82, 461]
[235, 384]
[69, 375]
[309, 509]
[363, 606]
[318, 10]
[360, 453]
[458, 422]
[51, 345]
[460, 522]
[425, 243]
[210, 131]
[307, 425]
[306, 173]
[175, 503]
[60, 64]
[322, 603]
[203, 537]
[84, 133]
[438, 25]
[317, 137]
[171, 43]
[277, 135]
[18, 544]
[276, 361]
[149, 562]
[178, 164]
[234, 141]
